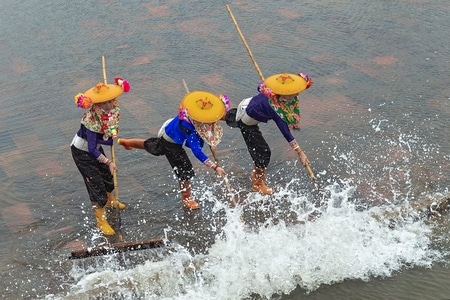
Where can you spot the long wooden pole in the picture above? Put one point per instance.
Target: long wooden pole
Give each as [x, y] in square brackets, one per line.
[307, 166]
[113, 158]
[104, 70]
[245, 43]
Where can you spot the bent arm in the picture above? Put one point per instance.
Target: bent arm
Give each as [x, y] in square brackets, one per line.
[92, 140]
[283, 127]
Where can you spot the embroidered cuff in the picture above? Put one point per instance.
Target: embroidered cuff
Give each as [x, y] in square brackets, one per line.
[103, 159]
[210, 164]
[295, 146]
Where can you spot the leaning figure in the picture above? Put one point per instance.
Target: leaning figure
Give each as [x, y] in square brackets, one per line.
[99, 126]
[278, 101]
[195, 124]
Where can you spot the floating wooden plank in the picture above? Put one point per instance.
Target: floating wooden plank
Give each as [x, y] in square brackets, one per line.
[116, 248]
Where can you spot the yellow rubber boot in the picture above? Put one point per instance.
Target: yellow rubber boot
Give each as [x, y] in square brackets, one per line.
[113, 202]
[131, 143]
[259, 181]
[186, 198]
[102, 222]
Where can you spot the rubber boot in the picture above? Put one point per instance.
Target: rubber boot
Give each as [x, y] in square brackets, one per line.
[113, 202]
[259, 181]
[131, 143]
[102, 222]
[186, 198]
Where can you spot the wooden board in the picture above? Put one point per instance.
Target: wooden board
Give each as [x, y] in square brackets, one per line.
[117, 247]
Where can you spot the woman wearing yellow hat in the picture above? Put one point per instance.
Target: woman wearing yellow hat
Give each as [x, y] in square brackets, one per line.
[99, 126]
[195, 124]
[278, 101]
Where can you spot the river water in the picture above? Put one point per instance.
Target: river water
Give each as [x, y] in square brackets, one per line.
[374, 126]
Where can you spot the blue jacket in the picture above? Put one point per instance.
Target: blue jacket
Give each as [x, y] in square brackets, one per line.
[183, 132]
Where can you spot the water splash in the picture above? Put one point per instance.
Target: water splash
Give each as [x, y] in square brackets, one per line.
[282, 253]
[270, 245]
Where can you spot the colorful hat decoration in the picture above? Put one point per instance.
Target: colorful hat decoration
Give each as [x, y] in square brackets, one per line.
[308, 79]
[286, 84]
[123, 83]
[203, 106]
[101, 93]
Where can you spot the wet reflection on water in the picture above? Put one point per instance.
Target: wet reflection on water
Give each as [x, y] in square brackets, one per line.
[374, 126]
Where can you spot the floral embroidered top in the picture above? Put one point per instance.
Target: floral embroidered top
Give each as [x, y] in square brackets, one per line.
[260, 109]
[99, 128]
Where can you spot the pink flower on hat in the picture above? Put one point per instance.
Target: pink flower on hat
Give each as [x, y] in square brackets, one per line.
[308, 79]
[183, 113]
[225, 101]
[123, 83]
[82, 101]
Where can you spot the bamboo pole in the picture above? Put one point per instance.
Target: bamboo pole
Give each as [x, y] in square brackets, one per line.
[116, 185]
[307, 166]
[245, 43]
[104, 70]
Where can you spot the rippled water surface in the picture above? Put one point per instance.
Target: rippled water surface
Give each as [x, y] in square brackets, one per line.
[374, 126]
